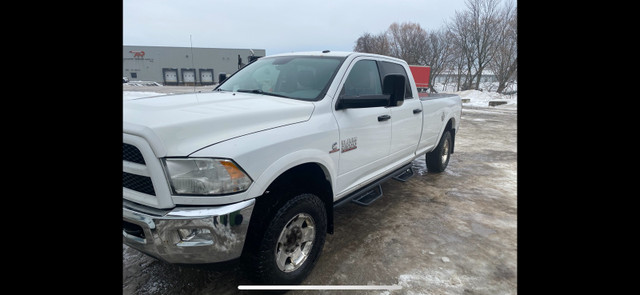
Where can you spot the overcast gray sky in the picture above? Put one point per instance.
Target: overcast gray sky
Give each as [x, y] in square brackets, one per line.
[277, 26]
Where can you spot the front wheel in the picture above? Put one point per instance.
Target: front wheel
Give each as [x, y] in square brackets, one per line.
[438, 159]
[292, 242]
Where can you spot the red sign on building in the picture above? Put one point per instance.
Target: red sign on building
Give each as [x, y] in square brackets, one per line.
[137, 54]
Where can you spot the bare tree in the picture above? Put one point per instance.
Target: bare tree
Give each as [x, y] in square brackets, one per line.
[479, 38]
[436, 54]
[464, 53]
[364, 43]
[378, 44]
[477, 34]
[505, 62]
[458, 64]
[408, 41]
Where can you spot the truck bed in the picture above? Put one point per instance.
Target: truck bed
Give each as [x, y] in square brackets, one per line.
[436, 107]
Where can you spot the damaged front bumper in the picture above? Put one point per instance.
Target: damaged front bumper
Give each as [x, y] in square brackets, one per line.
[188, 234]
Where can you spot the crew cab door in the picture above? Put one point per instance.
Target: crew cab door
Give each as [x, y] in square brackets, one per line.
[365, 132]
[406, 116]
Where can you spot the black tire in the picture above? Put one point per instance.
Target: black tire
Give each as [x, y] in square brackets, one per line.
[438, 159]
[279, 245]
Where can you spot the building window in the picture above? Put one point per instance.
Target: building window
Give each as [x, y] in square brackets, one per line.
[134, 75]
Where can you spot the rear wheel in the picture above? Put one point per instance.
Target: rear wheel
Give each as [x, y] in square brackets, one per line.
[292, 242]
[438, 159]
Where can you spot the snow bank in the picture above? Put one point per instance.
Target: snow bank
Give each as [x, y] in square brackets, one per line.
[481, 99]
[478, 98]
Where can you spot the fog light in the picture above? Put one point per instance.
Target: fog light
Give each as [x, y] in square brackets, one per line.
[195, 237]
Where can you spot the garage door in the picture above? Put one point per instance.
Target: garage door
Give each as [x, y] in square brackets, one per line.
[206, 76]
[189, 77]
[170, 76]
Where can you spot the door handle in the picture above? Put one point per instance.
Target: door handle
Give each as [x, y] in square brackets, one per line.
[383, 118]
[417, 111]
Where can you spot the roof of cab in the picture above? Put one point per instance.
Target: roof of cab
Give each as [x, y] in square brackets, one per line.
[318, 53]
[335, 53]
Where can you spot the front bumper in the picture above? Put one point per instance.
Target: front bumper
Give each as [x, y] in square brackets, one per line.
[162, 234]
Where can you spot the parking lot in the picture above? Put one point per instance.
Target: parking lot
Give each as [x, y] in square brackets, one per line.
[447, 233]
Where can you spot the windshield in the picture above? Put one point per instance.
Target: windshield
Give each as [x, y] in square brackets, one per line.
[298, 77]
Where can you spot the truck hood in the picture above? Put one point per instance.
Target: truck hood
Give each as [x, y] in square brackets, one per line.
[178, 125]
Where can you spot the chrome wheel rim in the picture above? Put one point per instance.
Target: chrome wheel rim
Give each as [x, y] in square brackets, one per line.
[295, 242]
[445, 151]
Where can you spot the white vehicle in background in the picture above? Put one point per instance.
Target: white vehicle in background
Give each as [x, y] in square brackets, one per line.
[254, 169]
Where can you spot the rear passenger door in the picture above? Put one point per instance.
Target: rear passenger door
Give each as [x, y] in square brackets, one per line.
[406, 119]
[365, 133]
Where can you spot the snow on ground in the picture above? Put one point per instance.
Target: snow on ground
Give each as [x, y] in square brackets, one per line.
[478, 98]
[481, 98]
[143, 83]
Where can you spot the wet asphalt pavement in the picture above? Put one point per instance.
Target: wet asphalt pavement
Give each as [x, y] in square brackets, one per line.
[447, 233]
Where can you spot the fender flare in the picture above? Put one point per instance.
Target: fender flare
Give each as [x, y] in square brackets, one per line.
[291, 160]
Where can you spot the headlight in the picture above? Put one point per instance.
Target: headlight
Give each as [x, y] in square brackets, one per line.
[204, 176]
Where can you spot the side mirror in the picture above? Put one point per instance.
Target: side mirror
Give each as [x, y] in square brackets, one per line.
[394, 86]
[364, 101]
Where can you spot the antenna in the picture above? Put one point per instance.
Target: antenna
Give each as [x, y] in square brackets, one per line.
[192, 65]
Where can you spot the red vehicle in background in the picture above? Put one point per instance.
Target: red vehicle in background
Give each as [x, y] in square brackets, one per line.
[421, 76]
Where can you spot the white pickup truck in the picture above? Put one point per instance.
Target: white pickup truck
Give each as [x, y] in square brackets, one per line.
[254, 169]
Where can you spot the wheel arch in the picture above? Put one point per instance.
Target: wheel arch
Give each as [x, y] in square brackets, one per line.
[284, 183]
[310, 177]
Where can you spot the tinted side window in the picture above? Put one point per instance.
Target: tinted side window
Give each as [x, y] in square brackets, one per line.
[364, 79]
[394, 68]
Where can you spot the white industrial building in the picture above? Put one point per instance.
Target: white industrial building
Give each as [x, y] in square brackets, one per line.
[183, 65]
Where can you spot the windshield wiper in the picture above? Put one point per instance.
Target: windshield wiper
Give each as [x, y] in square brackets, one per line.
[258, 91]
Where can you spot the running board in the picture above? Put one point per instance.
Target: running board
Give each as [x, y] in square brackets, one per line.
[405, 175]
[368, 197]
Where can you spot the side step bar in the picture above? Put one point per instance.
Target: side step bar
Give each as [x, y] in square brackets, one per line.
[405, 175]
[368, 194]
[369, 197]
